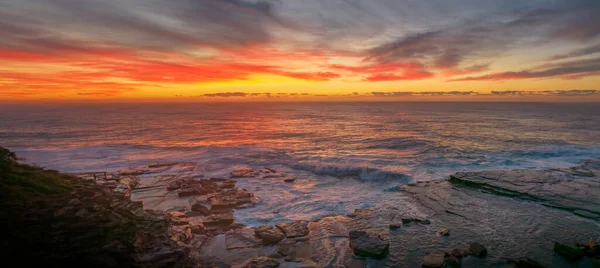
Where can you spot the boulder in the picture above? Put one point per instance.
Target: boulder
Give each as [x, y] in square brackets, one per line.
[289, 179]
[459, 253]
[261, 262]
[369, 243]
[453, 262]
[294, 229]
[568, 252]
[478, 250]
[271, 236]
[434, 260]
[261, 229]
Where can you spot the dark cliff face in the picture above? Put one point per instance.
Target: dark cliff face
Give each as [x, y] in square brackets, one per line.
[53, 219]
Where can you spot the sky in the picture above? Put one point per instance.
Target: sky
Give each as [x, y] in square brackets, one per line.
[299, 49]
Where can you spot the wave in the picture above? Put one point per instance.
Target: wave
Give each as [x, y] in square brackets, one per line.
[432, 162]
[360, 172]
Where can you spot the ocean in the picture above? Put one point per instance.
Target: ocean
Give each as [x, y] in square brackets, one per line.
[346, 155]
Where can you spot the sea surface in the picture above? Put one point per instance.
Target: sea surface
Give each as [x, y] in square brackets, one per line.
[346, 155]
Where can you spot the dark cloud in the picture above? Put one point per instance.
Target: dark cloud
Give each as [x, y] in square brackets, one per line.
[579, 52]
[423, 93]
[565, 70]
[573, 92]
[226, 94]
[454, 48]
[151, 24]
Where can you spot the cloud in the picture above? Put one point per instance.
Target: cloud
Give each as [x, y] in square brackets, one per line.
[423, 93]
[226, 94]
[452, 49]
[579, 52]
[388, 71]
[572, 92]
[564, 70]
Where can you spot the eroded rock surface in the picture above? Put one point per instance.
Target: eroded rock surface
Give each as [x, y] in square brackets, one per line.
[294, 229]
[370, 243]
[574, 189]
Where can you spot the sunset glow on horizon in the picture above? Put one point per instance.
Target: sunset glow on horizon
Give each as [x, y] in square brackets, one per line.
[247, 49]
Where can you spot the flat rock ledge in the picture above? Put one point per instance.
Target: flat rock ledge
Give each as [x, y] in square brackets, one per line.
[573, 189]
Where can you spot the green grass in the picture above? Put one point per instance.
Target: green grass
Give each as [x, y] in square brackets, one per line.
[25, 184]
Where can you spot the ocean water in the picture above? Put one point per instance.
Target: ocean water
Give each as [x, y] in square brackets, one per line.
[344, 154]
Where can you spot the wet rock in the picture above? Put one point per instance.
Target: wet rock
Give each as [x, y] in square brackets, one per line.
[223, 204]
[433, 260]
[218, 220]
[241, 238]
[580, 184]
[360, 213]
[177, 214]
[179, 221]
[444, 232]
[267, 170]
[243, 196]
[271, 236]
[525, 263]
[395, 225]
[354, 263]
[189, 192]
[198, 229]
[459, 253]
[200, 208]
[173, 186]
[568, 252]
[228, 185]
[587, 214]
[289, 180]
[261, 262]
[244, 173]
[407, 220]
[453, 262]
[63, 211]
[478, 250]
[74, 202]
[82, 213]
[371, 243]
[418, 220]
[261, 229]
[294, 229]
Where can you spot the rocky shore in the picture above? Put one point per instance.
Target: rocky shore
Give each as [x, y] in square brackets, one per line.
[153, 217]
[53, 219]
